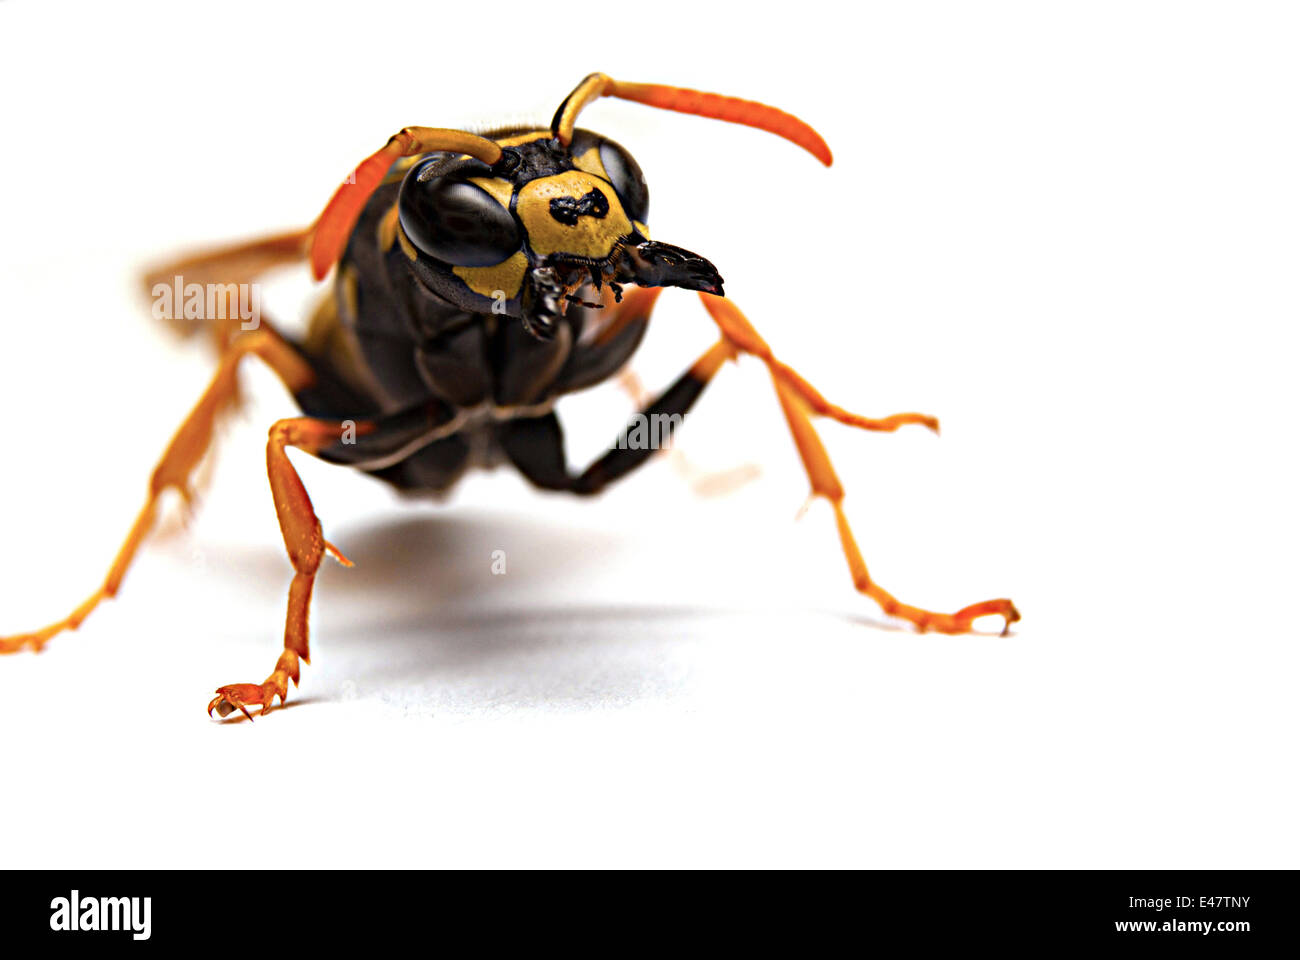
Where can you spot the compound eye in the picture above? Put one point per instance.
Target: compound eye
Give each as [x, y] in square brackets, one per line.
[627, 179]
[455, 221]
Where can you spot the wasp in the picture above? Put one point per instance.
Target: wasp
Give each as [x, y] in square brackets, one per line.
[477, 279]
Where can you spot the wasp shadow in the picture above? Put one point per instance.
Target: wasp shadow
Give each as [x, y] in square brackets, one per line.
[468, 602]
[471, 608]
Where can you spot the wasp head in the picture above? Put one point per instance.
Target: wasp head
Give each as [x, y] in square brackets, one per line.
[526, 235]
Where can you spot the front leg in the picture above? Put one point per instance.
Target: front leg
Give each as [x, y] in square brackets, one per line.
[536, 446]
[798, 401]
[306, 546]
[358, 443]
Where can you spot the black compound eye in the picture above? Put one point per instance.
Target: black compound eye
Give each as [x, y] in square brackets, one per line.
[627, 179]
[456, 221]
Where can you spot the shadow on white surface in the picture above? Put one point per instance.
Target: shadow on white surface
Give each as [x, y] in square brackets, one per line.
[421, 623]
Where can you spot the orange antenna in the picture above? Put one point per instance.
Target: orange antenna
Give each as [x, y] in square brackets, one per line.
[330, 234]
[714, 105]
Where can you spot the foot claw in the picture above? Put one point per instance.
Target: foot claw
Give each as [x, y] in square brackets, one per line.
[1011, 615]
[965, 619]
[237, 696]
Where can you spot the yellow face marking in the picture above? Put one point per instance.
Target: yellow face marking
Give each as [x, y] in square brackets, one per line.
[642, 229]
[506, 277]
[519, 138]
[592, 237]
[500, 189]
[589, 160]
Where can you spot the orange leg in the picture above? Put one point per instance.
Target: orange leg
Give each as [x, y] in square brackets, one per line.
[176, 468]
[798, 400]
[306, 546]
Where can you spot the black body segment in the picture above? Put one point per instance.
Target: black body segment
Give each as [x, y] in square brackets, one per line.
[536, 445]
[471, 295]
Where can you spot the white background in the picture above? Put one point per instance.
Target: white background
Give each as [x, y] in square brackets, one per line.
[1069, 230]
